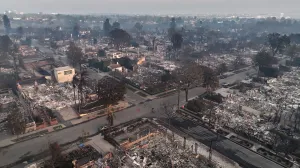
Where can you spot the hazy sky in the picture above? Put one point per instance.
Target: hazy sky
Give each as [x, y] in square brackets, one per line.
[289, 7]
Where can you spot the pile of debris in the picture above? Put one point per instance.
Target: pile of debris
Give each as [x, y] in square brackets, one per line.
[7, 70]
[6, 99]
[158, 152]
[213, 61]
[54, 97]
[258, 110]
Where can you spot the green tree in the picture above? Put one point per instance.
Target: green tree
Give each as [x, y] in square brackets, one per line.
[110, 92]
[177, 42]
[172, 28]
[125, 61]
[120, 38]
[263, 59]
[20, 31]
[74, 55]
[278, 43]
[138, 27]
[75, 33]
[6, 47]
[167, 76]
[53, 45]
[28, 41]
[5, 44]
[116, 25]
[106, 27]
[95, 41]
[101, 53]
[210, 78]
[222, 68]
[7, 25]
[190, 74]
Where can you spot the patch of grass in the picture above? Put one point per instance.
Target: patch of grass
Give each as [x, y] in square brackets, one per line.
[57, 127]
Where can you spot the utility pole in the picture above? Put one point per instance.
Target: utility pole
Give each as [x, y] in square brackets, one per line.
[178, 99]
[210, 116]
[210, 147]
[210, 151]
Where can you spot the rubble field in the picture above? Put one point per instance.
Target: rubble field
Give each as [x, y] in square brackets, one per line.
[149, 80]
[259, 110]
[159, 152]
[54, 97]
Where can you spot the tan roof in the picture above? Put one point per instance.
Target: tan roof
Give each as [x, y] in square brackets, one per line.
[63, 68]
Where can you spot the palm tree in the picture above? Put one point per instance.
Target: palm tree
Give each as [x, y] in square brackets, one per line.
[75, 82]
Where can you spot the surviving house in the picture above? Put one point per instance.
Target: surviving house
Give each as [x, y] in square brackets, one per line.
[64, 74]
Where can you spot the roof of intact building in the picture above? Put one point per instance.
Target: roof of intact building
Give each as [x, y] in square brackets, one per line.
[63, 68]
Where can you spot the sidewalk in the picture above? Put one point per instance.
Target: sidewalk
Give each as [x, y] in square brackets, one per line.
[101, 145]
[122, 105]
[30, 135]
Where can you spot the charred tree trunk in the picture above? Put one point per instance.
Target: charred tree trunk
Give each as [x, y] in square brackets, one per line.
[178, 99]
[75, 95]
[187, 94]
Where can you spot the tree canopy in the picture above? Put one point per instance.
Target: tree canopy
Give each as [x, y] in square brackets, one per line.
[110, 91]
[138, 26]
[20, 31]
[125, 61]
[116, 25]
[5, 44]
[188, 75]
[74, 54]
[7, 25]
[101, 53]
[222, 68]
[177, 40]
[263, 58]
[278, 42]
[106, 27]
[75, 33]
[120, 38]
[210, 78]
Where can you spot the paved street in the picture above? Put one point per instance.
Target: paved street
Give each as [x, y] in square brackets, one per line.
[238, 77]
